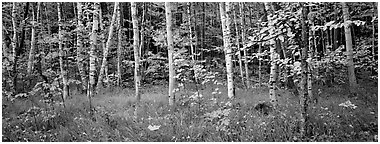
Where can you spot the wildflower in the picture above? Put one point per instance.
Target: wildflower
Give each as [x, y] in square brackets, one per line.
[154, 127]
[348, 104]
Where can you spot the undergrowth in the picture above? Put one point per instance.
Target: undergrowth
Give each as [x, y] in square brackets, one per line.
[117, 117]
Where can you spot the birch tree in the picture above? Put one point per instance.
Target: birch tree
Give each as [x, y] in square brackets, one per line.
[14, 47]
[33, 39]
[273, 58]
[238, 47]
[350, 53]
[225, 11]
[243, 39]
[61, 53]
[93, 38]
[80, 46]
[190, 31]
[169, 23]
[136, 50]
[108, 44]
[119, 37]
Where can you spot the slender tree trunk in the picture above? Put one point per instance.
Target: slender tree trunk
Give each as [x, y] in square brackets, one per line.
[303, 83]
[260, 45]
[22, 37]
[238, 49]
[32, 41]
[142, 41]
[350, 61]
[273, 57]
[335, 37]
[225, 11]
[80, 46]
[105, 51]
[142, 31]
[196, 51]
[310, 61]
[169, 26]
[14, 48]
[190, 31]
[62, 53]
[136, 50]
[374, 35]
[95, 28]
[119, 38]
[203, 30]
[242, 16]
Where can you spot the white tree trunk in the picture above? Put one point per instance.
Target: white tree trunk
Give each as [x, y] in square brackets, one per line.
[273, 58]
[92, 72]
[119, 37]
[225, 11]
[136, 50]
[61, 53]
[32, 41]
[242, 16]
[14, 47]
[105, 51]
[190, 32]
[238, 47]
[80, 46]
[168, 12]
[350, 61]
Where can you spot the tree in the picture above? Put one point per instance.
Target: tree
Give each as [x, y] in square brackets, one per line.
[311, 43]
[61, 53]
[304, 71]
[190, 31]
[80, 46]
[119, 37]
[23, 31]
[33, 39]
[169, 26]
[273, 68]
[14, 48]
[242, 17]
[95, 27]
[136, 50]
[225, 11]
[350, 53]
[106, 49]
[238, 48]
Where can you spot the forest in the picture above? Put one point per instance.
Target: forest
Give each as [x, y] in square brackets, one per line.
[189, 71]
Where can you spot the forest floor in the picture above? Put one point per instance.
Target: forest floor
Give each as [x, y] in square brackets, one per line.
[336, 116]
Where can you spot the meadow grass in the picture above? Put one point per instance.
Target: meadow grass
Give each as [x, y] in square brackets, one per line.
[117, 117]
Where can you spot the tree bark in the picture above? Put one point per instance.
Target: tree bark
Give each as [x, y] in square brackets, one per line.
[273, 57]
[22, 37]
[169, 23]
[190, 31]
[374, 35]
[242, 16]
[238, 49]
[95, 28]
[80, 46]
[119, 38]
[225, 11]
[136, 50]
[62, 54]
[312, 43]
[14, 49]
[105, 51]
[335, 30]
[349, 48]
[33, 40]
[304, 72]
